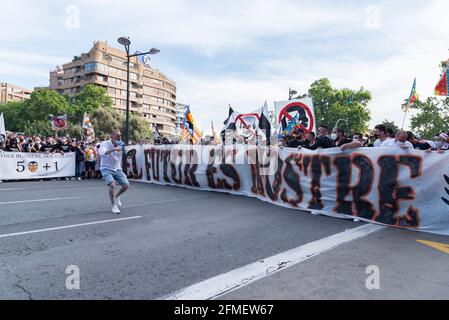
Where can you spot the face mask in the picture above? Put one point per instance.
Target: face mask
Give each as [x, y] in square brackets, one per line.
[120, 144]
[334, 136]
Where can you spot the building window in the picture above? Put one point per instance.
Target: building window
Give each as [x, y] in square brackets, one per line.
[90, 66]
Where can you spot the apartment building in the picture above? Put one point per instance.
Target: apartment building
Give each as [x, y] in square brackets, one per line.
[10, 92]
[152, 94]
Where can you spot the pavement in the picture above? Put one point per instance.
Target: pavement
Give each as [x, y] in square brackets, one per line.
[169, 238]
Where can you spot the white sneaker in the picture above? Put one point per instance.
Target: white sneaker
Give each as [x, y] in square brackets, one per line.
[314, 213]
[119, 203]
[115, 209]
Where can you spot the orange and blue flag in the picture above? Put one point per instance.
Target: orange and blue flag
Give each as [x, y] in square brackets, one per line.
[413, 97]
[190, 130]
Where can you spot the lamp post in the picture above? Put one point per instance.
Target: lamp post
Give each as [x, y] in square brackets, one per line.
[291, 93]
[126, 43]
[338, 121]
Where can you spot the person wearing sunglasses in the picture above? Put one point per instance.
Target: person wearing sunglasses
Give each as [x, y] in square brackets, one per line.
[111, 160]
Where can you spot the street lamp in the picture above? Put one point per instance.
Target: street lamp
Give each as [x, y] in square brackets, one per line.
[338, 121]
[291, 93]
[126, 43]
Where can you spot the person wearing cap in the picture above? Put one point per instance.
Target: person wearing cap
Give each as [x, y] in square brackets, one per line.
[441, 142]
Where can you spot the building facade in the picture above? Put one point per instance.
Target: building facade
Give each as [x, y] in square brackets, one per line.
[152, 94]
[10, 92]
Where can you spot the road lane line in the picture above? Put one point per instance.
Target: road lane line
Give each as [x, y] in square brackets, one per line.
[67, 227]
[12, 189]
[436, 245]
[39, 200]
[238, 278]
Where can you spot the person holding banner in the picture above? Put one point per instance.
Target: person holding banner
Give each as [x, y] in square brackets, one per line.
[111, 170]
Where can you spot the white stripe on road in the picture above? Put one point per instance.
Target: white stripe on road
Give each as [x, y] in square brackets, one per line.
[39, 200]
[235, 279]
[67, 227]
[12, 189]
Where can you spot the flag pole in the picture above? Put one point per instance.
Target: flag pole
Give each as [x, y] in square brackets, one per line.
[405, 117]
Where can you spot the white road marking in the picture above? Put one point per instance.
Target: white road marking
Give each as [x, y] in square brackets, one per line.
[235, 279]
[12, 189]
[38, 200]
[67, 227]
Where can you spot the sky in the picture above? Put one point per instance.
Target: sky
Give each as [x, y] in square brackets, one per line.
[241, 52]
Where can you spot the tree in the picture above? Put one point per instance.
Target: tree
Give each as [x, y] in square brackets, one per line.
[104, 120]
[391, 125]
[13, 112]
[333, 104]
[44, 102]
[432, 117]
[139, 129]
[91, 98]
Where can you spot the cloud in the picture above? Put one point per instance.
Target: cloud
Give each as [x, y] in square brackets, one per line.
[22, 65]
[213, 27]
[243, 52]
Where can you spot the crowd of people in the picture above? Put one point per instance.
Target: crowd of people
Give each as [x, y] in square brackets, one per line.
[87, 157]
[86, 152]
[382, 137]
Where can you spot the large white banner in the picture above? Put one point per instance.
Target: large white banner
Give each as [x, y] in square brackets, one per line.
[400, 188]
[27, 166]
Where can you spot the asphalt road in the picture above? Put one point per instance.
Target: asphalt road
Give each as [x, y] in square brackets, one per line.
[168, 238]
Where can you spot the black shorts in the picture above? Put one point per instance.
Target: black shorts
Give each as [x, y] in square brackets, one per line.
[90, 165]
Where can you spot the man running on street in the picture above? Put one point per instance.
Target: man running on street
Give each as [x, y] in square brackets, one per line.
[111, 169]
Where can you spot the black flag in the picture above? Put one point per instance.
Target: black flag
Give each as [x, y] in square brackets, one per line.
[231, 111]
[264, 123]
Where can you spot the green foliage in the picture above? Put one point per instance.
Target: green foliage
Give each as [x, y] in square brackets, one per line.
[139, 129]
[333, 104]
[391, 124]
[45, 102]
[75, 131]
[432, 117]
[32, 116]
[91, 98]
[13, 113]
[104, 120]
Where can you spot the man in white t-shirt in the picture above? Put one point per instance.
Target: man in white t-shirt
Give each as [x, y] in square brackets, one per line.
[383, 141]
[111, 168]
